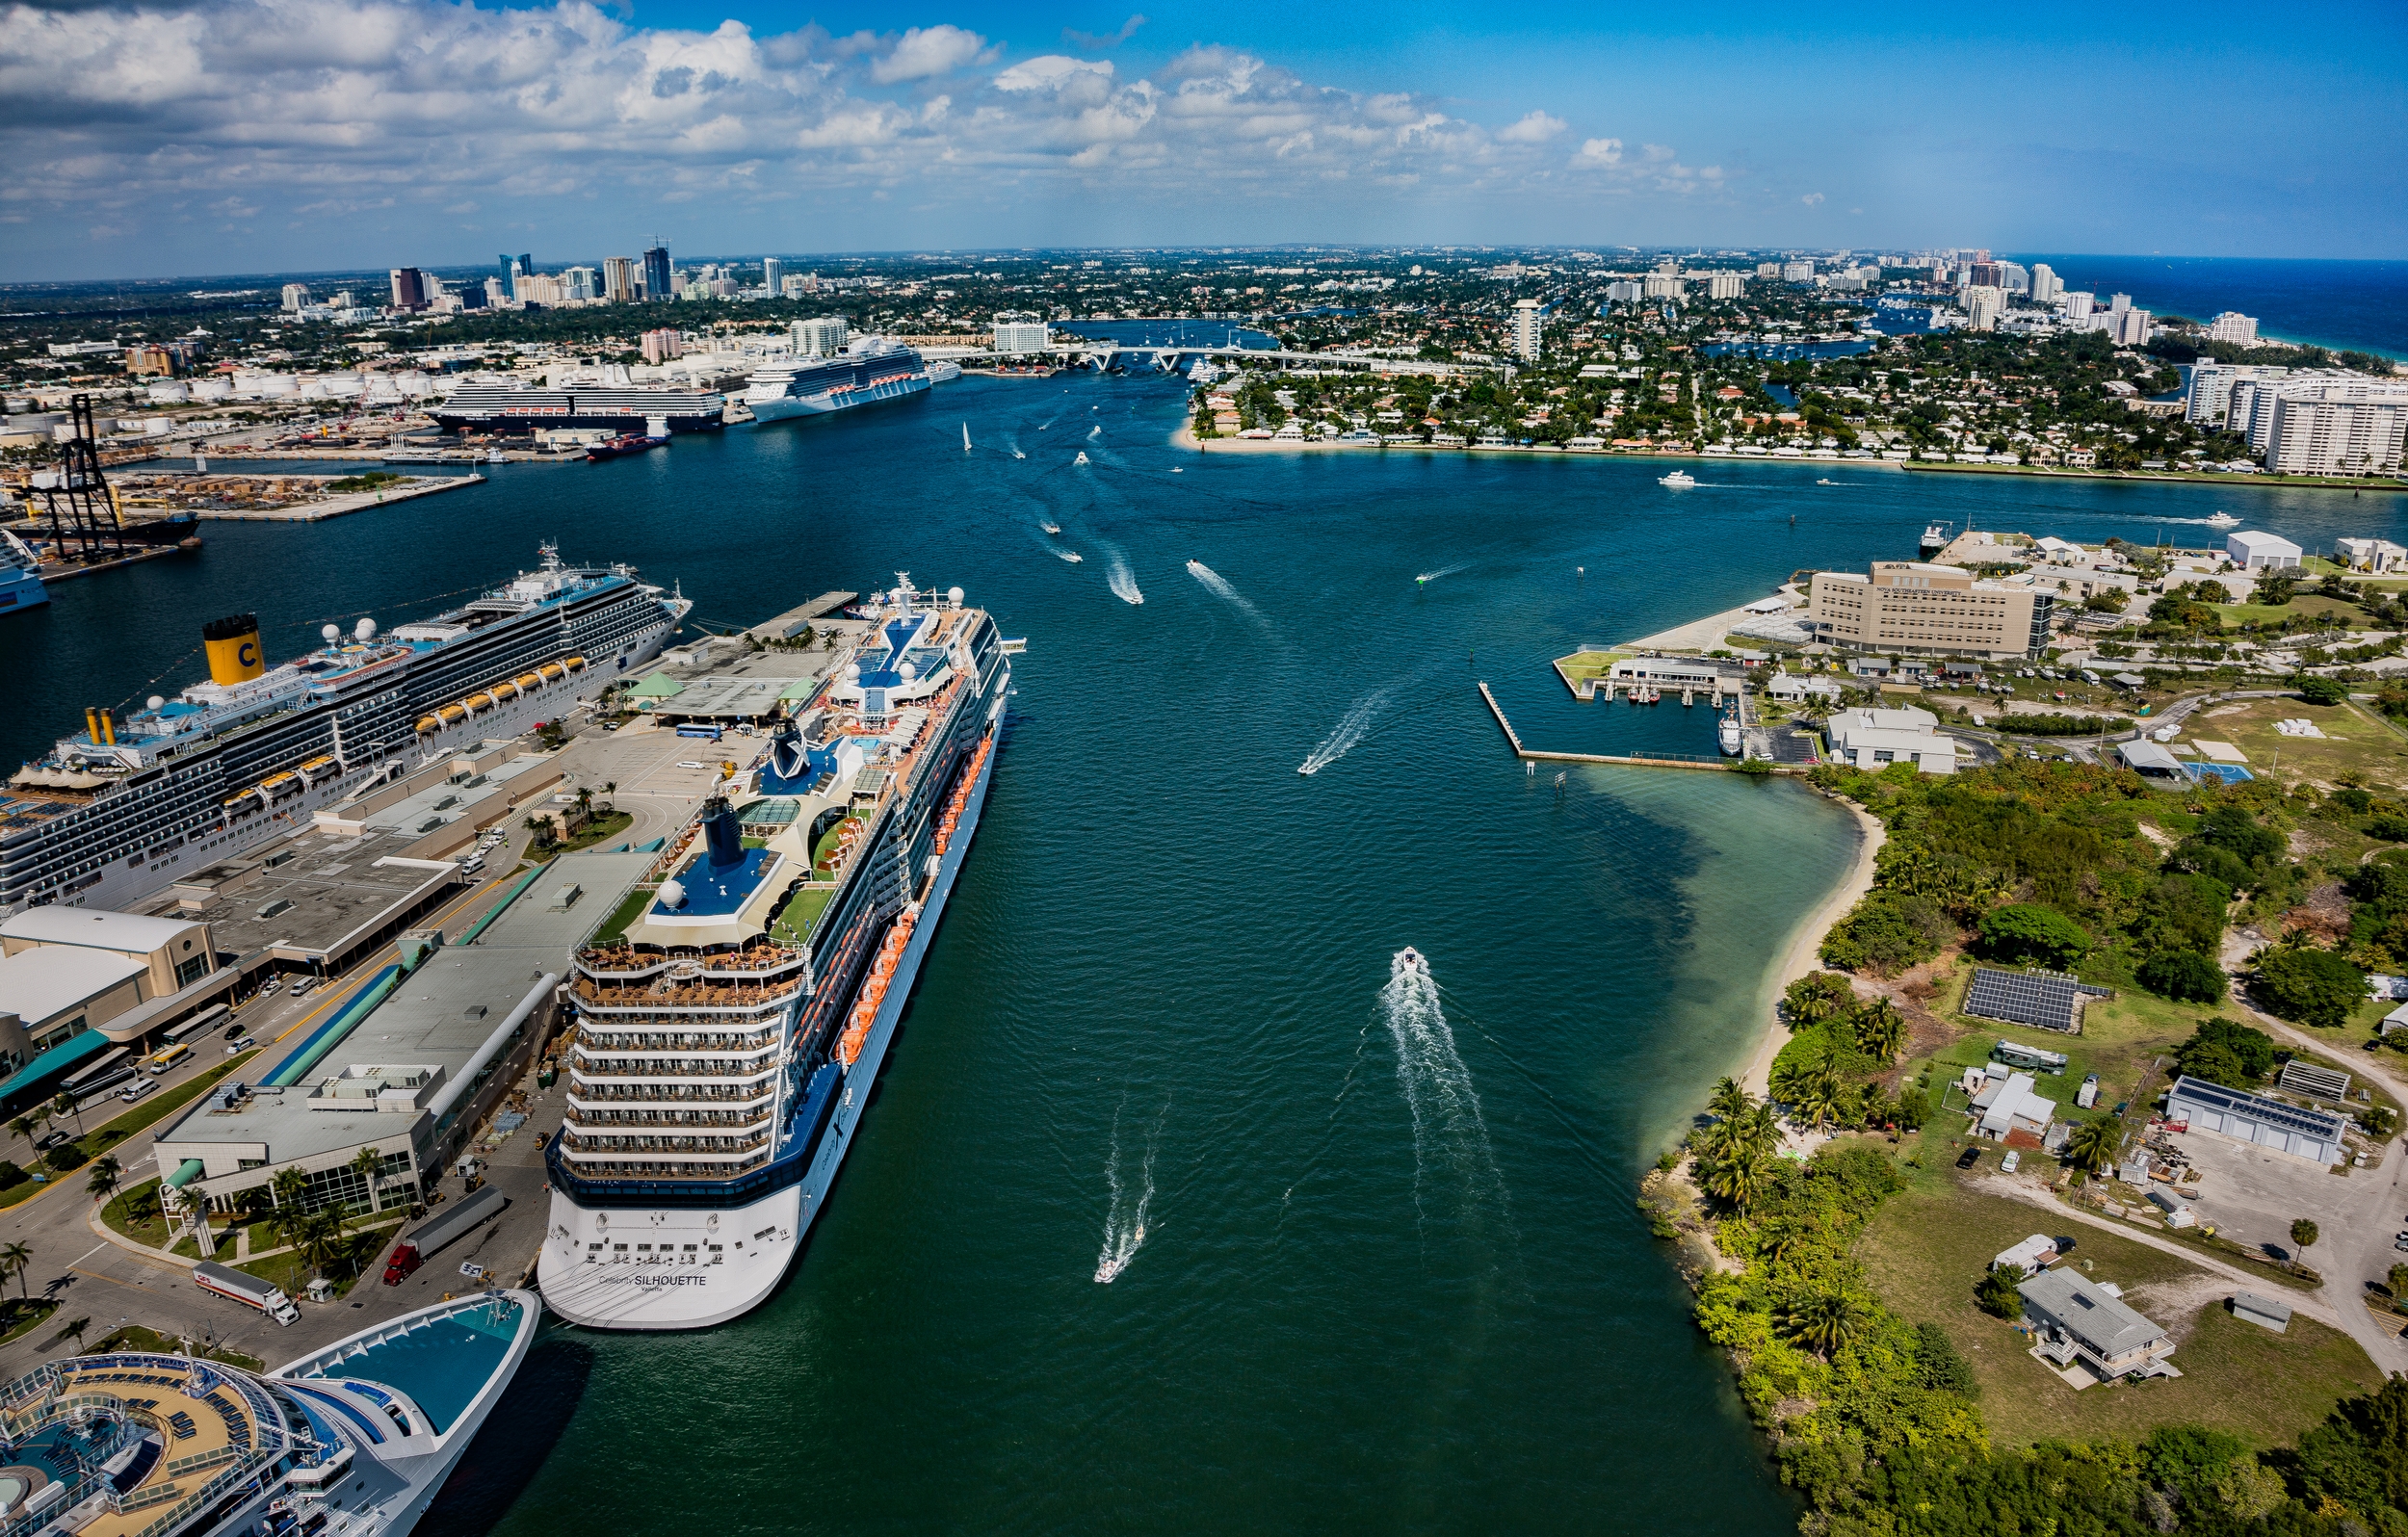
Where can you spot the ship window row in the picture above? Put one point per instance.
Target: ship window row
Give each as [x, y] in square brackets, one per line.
[734, 1119]
[583, 1083]
[730, 1067]
[731, 1096]
[668, 1144]
[627, 1040]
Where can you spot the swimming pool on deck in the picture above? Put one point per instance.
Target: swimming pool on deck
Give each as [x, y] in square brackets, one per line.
[442, 1364]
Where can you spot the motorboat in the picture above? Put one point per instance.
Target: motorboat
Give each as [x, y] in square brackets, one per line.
[1050, 527]
[2222, 520]
[1727, 735]
[1677, 480]
[1071, 556]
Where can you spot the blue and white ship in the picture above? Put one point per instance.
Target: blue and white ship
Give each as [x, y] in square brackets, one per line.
[250, 756]
[20, 577]
[870, 371]
[355, 1440]
[728, 1032]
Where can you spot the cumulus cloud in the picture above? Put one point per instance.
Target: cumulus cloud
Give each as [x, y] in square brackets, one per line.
[140, 116]
[1534, 128]
[1810, 199]
[925, 52]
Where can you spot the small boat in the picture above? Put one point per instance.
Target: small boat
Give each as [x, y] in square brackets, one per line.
[1081, 459]
[1071, 556]
[1677, 480]
[1097, 430]
[1727, 735]
[1178, 469]
[1825, 480]
[624, 444]
[1050, 527]
[1017, 455]
[965, 438]
[2222, 520]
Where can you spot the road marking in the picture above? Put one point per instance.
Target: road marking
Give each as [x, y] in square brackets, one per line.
[86, 1254]
[135, 1286]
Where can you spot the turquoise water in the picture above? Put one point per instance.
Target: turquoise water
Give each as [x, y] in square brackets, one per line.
[1390, 1278]
[444, 1364]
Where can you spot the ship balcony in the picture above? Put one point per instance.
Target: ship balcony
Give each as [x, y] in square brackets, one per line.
[622, 962]
[600, 1108]
[667, 1067]
[675, 1091]
[612, 1041]
[606, 1082]
[666, 1123]
[668, 993]
[716, 1151]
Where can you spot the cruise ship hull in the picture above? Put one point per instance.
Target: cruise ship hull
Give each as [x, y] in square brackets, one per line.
[21, 588]
[779, 407]
[121, 883]
[669, 1293]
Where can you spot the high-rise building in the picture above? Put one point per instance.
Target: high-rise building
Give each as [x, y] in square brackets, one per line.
[296, 296]
[2322, 422]
[1526, 314]
[497, 291]
[1624, 290]
[409, 288]
[509, 289]
[1725, 285]
[2238, 329]
[1984, 274]
[618, 279]
[1983, 305]
[1798, 272]
[2014, 278]
[660, 346]
[773, 275]
[1768, 270]
[794, 285]
[656, 282]
[1656, 285]
[2046, 285]
[2077, 303]
[1943, 609]
[2209, 398]
[2119, 303]
[2132, 326]
[1014, 335]
[580, 283]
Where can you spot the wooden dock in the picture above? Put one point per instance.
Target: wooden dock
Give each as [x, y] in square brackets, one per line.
[1627, 760]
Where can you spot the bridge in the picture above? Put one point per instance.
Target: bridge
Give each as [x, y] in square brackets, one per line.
[1174, 358]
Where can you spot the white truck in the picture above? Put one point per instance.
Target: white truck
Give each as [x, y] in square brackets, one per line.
[247, 1289]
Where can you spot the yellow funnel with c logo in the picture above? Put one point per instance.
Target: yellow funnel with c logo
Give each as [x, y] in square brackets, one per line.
[233, 644]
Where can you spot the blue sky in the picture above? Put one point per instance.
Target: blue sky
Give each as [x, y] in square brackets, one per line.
[251, 135]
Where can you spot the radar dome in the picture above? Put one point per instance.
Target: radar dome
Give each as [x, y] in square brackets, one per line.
[908, 671]
[332, 632]
[155, 702]
[672, 893]
[364, 630]
[852, 673]
[954, 595]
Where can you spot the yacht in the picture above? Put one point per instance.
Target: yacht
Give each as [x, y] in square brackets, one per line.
[2222, 520]
[1677, 480]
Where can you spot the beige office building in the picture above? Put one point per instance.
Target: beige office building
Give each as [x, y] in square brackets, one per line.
[1913, 608]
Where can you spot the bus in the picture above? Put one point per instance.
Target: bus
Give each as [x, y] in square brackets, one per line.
[110, 1070]
[201, 1024]
[167, 1058]
[710, 733]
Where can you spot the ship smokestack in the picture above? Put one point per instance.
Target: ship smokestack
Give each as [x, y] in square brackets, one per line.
[233, 644]
[92, 725]
[108, 730]
[726, 832]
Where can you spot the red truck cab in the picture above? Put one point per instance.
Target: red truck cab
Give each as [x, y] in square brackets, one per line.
[399, 1269]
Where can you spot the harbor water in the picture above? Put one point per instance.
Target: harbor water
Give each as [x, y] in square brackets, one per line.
[1186, 1203]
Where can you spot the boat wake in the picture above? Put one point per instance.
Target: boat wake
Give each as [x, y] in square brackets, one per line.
[1071, 556]
[1450, 1135]
[1124, 1223]
[1097, 430]
[1446, 570]
[1124, 586]
[1219, 586]
[1350, 729]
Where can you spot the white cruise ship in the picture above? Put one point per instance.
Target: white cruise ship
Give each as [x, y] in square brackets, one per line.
[871, 371]
[353, 1440]
[731, 1025]
[115, 814]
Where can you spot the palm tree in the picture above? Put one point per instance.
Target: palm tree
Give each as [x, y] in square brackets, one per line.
[320, 1236]
[1730, 1100]
[368, 1163]
[1818, 1099]
[2092, 1144]
[23, 1126]
[610, 787]
[103, 1182]
[1787, 1079]
[1815, 997]
[1879, 1029]
[1823, 1321]
[15, 1261]
[1739, 1177]
[68, 1104]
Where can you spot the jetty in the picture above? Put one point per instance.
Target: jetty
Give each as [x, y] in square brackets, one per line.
[1639, 760]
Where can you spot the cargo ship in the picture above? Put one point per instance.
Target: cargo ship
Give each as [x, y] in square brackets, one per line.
[872, 371]
[247, 756]
[355, 1440]
[731, 1019]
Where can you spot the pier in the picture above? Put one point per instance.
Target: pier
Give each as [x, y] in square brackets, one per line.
[1670, 760]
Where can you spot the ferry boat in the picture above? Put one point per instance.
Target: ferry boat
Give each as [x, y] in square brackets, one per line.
[113, 815]
[354, 1439]
[872, 370]
[20, 575]
[727, 1036]
[1677, 480]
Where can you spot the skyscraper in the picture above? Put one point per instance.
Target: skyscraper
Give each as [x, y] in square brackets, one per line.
[618, 279]
[1525, 316]
[656, 278]
[409, 288]
[296, 295]
[771, 271]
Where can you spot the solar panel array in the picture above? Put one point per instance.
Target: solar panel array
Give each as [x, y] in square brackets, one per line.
[2042, 998]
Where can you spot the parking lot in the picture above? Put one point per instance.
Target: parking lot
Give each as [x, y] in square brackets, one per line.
[2252, 1196]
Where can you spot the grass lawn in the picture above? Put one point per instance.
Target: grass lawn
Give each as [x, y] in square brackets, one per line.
[20, 1316]
[1582, 665]
[2352, 741]
[1928, 1245]
[626, 912]
[792, 923]
[109, 1133]
[2304, 604]
[134, 1336]
[599, 830]
[354, 1254]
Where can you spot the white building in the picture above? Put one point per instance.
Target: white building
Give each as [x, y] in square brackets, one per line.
[1016, 337]
[1798, 272]
[2378, 555]
[2077, 1321]
[2011, 1104]
[1624, 290]
[2238, 329]
[2046, 286]
[1526, 315]
[1873, 739]
[2132, 325]
[2209, 398]
[2358, 427]
[824, 336]
[1982, 308]
[296, 297]
[2257, 552]
[1664, 285]
[1725, 285]
[773, 276]
[2077, 303]
[2270, 1122]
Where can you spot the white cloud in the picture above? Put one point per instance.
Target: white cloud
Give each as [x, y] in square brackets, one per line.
[1534, 128]
[1810, 199]
[1599, 152]
[1051, 72]
[925, 52]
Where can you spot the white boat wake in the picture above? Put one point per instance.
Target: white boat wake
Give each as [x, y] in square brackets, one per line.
[1124, 1223]
[1097, 430]
[1448, 1127]
[1123, 585]
[1349, 730]
[1071, 556]
[1444, 571]
[1219, 586]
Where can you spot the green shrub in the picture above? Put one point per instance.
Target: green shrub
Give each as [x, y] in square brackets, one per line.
[10, 1175]
[2391, 829]
[2184, 976]
[2309, 986]
[65, 1156]
[1887, 933]
[1997, 1294]
[2033, 931]
[2323, 690]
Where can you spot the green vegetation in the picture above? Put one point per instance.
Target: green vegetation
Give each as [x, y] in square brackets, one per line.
[793, 920]
[629, 907]
[2307, 986]
[372, 481]
[601, 829]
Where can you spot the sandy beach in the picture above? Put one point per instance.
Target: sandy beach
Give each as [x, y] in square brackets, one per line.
[1801, 958]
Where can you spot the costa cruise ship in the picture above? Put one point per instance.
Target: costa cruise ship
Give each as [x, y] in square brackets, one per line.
[731, 1019]
[111, 815]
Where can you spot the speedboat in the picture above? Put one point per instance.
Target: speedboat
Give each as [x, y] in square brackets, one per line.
[1677, 480]
[1071, 556]
[1081, 459]
[2222, 520]
[1050, 527]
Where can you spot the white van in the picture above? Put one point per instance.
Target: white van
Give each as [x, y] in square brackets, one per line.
[137, 1088]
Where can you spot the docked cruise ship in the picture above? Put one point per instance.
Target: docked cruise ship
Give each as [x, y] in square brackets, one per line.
[351, 1441]
[20, 576]
[111, 815]
[870, 371]
[728, 1032]
[513, 408]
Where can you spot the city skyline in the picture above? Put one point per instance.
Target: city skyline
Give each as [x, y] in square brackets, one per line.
[261, 137]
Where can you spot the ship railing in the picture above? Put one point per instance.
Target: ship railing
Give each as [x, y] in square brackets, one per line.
[580, 1074]
[664, 1067]
[588, 1146]
[666, 994]
[711, 1098]
[627, 961]
[658, 1125]
[686, 1042]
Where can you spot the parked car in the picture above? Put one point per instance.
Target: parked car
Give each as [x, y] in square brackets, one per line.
[2009, 1164]
[1969, 1158]
[56, 1139]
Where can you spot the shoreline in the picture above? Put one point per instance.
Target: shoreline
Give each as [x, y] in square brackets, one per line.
[1805, 942]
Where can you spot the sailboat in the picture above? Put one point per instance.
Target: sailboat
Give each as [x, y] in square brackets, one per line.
[965, 438]
[1081, 459]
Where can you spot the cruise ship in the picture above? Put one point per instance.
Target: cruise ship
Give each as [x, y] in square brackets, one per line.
[114, 813]
[870, 371]
[731, 1021]
[513, 408]
[353, 1440]
[21, 578]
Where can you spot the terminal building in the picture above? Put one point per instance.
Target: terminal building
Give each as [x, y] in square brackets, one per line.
[410, 1067]
[1944, 610]
[75, 983]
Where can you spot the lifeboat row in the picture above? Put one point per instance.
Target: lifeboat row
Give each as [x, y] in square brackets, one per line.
[874, 991]
[500, 693]
[962, 794]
